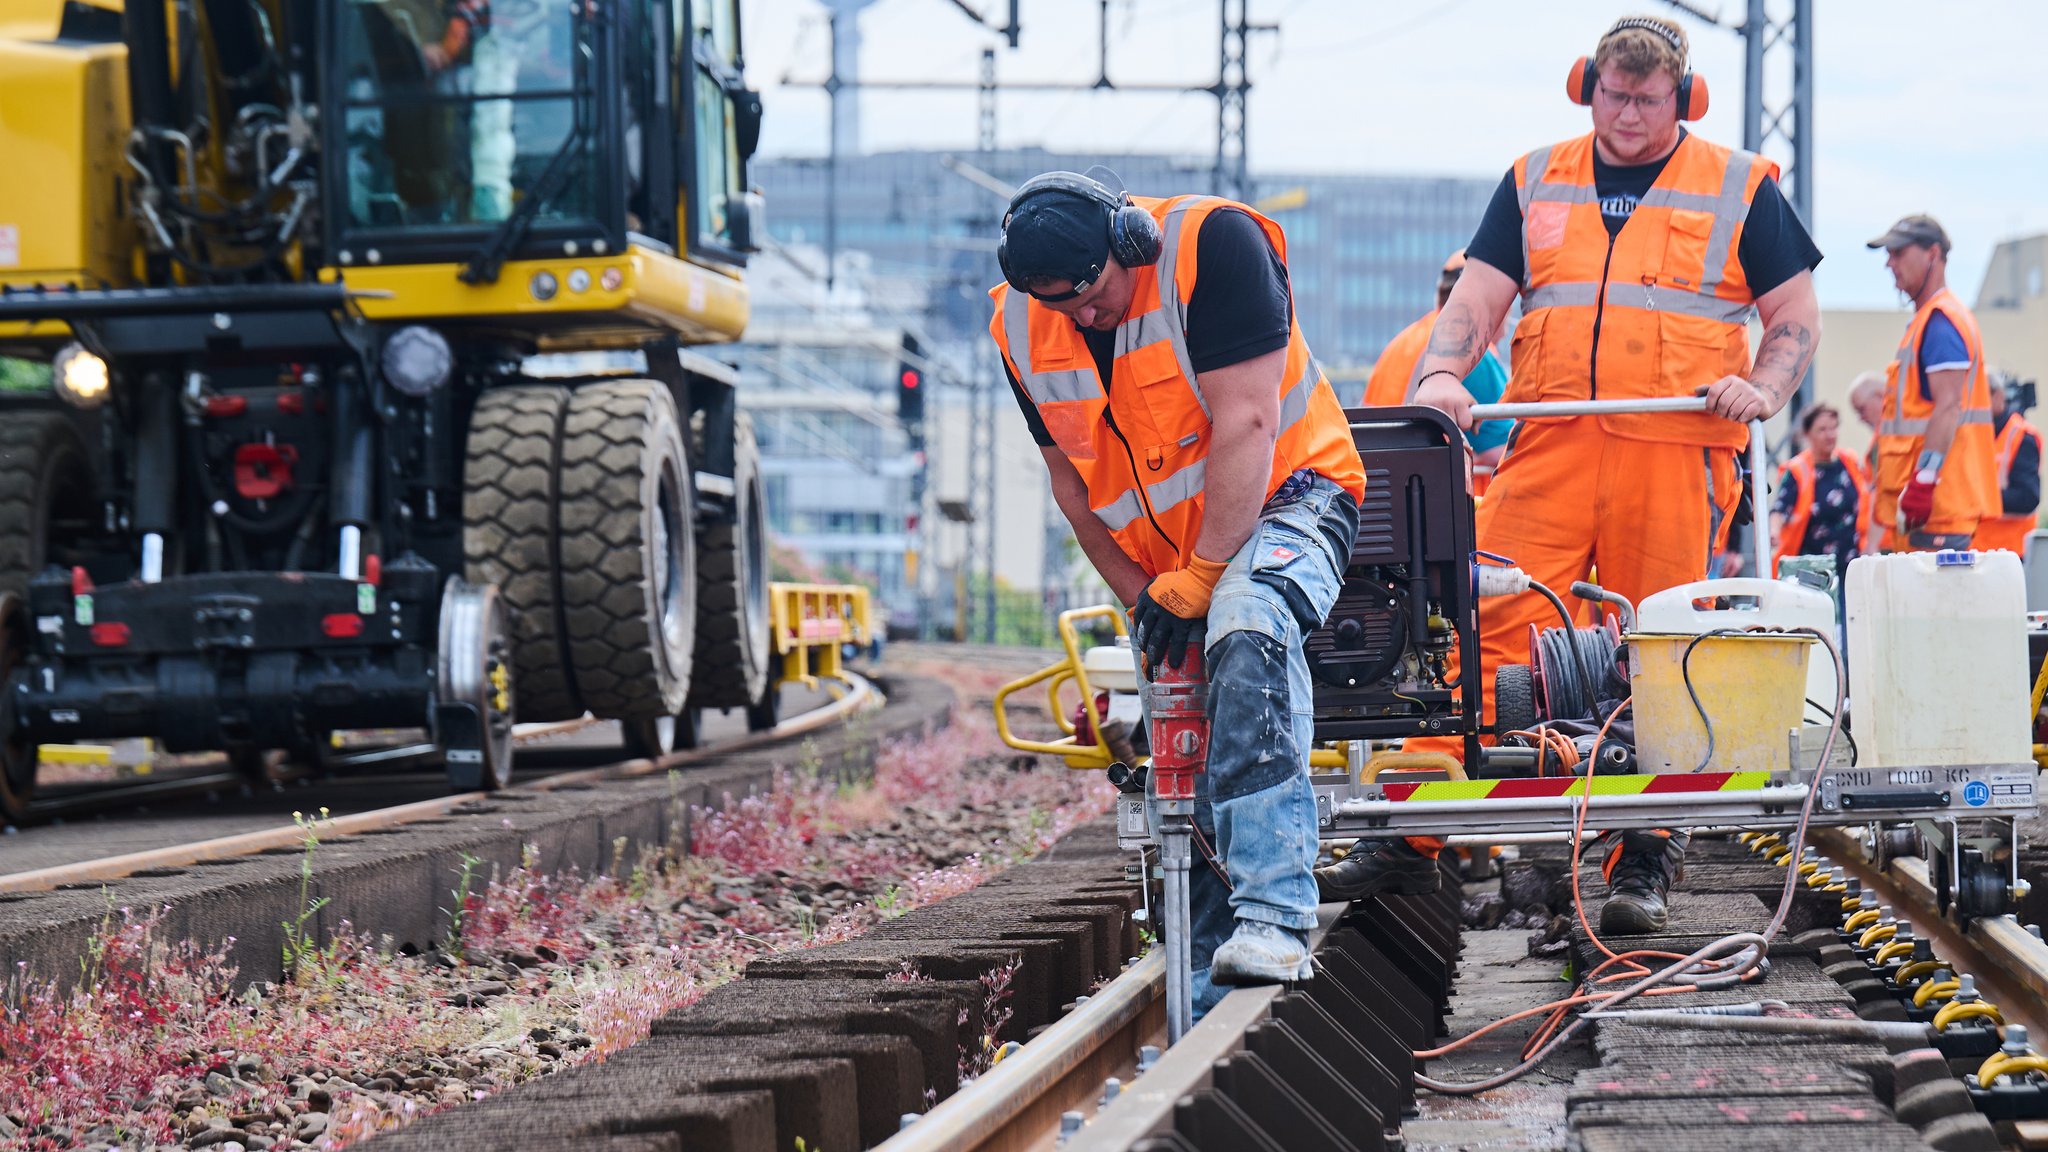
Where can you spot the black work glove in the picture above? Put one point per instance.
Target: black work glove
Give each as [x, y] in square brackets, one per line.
[1162, 636]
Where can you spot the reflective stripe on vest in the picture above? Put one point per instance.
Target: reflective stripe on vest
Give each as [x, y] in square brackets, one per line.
[1140, 440]
[1968, 490]
[2016, 430]
[1658, 308]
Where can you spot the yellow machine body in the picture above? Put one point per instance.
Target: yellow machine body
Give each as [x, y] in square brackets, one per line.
[63, 127]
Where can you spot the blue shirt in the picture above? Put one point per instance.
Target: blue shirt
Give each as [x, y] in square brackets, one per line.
[1941, 350]
[1487, 382]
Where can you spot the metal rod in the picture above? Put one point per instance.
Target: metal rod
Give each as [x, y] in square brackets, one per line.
[1176, 848]
[1588, 407]
[1774, 1025]
[1790, 796]
[1760, 500]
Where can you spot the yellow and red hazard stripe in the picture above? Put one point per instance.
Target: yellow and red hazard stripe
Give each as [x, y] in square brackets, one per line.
[1549, 786]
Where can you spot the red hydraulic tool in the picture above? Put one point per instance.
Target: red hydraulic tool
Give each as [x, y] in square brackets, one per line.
[1178, 711]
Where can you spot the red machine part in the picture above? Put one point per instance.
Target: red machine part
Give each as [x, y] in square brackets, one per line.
[262, 471]
[1179, 726]
[1084, 719]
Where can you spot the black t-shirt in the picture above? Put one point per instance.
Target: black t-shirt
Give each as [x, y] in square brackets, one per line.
[1239, 310]
[1774, 246]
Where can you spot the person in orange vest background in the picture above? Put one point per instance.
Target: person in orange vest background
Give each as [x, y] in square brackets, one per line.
[1866, 399]
[1640, 252]
[2018, 456]
[1208, 472]
[1936, 472]
[1486, 382]
[1820, 507]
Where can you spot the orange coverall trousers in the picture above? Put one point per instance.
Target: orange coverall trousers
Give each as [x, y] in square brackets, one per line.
[1570, 498]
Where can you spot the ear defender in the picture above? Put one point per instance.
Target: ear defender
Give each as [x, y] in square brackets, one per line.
[1134, 237]
[1578, 83]
[1692, 97]
[1692, 90]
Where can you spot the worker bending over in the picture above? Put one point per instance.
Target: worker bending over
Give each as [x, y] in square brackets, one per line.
[2018, 457]
[1205, 465]
[1640, 253]
[1936, 476]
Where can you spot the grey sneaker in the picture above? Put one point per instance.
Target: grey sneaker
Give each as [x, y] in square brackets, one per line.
[1377, 868]
[1637, 894]
[1261, 953]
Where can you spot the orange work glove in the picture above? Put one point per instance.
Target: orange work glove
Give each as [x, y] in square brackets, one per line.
[1169, 613]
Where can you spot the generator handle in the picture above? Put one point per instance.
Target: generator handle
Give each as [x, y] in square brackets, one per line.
[1539, 409]
[1759, 455]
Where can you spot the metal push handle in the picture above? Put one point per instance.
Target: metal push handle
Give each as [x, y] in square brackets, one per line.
[1760, 514]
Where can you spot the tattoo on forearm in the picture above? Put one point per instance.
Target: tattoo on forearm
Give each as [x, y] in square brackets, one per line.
[1782, 360]
[1455, 337]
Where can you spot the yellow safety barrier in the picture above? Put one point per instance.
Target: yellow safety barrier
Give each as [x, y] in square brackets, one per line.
[811, 621]
[1069, 747]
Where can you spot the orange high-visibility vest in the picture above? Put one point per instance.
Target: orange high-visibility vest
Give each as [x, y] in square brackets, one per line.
[2002, 531]
[1662, 309]
[1803, 474]
[1968, 489]
[1142, 445]
[1389, 381]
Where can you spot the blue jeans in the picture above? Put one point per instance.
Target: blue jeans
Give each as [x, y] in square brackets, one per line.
[1254, 807]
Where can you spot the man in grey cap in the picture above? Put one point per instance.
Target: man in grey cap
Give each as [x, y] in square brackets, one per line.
[1937, 474]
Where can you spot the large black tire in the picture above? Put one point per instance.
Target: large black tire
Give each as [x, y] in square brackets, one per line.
[628, 560]
[46, 494]
[509, 482]
[17, 753]
[1514, 698]
[733, 656]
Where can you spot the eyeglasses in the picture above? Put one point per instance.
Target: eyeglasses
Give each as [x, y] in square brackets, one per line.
[1644, 104]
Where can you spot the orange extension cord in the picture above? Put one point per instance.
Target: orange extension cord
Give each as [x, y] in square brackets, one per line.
[1731, 959]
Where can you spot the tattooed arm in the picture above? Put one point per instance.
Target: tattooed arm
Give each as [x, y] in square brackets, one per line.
[1791, 322]
[1464, 327]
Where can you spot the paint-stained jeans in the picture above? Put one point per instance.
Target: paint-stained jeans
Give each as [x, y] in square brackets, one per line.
[1254, 807]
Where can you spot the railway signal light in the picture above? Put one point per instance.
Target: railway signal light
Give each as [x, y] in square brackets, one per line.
[910, 383]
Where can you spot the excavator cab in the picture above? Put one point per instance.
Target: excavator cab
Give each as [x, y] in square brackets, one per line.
[471, 133]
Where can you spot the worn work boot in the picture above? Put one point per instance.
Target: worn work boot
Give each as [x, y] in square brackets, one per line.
[1637, 889]
[1378, 868]
[1261, 953]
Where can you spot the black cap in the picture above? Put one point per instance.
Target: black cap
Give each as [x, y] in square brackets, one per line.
[1920, 230]
[1058, 234]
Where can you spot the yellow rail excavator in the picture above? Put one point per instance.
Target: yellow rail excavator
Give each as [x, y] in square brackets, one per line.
[373, 394]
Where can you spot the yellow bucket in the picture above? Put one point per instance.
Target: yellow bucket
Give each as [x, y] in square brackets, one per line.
[1752, 687]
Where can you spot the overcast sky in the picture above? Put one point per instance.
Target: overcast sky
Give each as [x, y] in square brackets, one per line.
[1918, 106]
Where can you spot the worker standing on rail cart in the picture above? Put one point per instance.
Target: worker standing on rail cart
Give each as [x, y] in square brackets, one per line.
[1936, 476]
[1640, 252]
[1486, 382]
[1206, 467]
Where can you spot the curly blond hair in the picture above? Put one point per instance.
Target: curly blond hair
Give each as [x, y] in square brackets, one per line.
[1640, 45]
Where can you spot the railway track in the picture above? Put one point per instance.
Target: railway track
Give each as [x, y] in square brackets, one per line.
[859, 694]
[1328, 1064]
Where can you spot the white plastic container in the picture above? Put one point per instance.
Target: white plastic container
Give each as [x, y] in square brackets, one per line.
[1938, 659]
[1760, 604]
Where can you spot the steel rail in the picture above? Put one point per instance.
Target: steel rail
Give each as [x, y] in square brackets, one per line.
[2010, 965]
[859, 695]
[1018, 1104]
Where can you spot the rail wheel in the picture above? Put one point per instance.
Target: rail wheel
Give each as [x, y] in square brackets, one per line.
[473, 722]
[17, 751]
[509, 483]
[733, 658]
[46, 494]
[628, 565]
